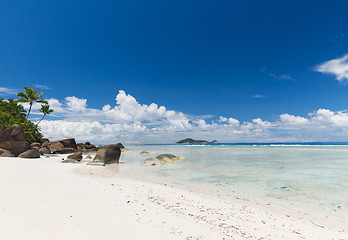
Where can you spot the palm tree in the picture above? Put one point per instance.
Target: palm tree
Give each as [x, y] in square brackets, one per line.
[46, 110]
[12, 107]
[30, 96]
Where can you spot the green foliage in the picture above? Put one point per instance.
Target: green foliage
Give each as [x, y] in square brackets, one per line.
[30, 96]
[12, 112]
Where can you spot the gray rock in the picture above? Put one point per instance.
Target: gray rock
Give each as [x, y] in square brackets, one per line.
[152, 161]
[162, 159]
[33, 153]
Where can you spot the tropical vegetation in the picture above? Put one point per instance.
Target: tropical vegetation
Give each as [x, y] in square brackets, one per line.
[13, 112]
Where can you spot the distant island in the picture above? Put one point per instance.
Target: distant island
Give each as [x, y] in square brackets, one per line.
[191, 141]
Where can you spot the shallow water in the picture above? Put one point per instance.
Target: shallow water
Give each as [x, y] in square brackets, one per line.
[306, 180]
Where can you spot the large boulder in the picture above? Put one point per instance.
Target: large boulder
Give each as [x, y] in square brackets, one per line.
[68, 143]
[44, 150]
[117, 145]
[75, 156]
[33, 153]
[107, 156]
[162, 159]
[12, 133]
[54, 147]
[15, 147]
[12, 139]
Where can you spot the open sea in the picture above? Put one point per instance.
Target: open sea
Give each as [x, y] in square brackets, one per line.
[308, 180]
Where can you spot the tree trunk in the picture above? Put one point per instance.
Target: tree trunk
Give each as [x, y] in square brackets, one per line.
[31, 104]
[38, 123]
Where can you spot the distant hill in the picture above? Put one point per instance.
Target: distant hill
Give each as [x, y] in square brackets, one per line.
[192, 141]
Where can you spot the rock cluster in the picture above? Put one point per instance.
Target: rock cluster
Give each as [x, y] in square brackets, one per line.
[87, 147]
[12, 141]
[13, 144]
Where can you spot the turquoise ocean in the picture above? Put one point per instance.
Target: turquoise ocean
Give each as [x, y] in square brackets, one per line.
[308, 180]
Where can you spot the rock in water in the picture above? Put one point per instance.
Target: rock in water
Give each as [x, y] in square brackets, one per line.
[76, 156]
[33, 153]
[168, 158]
[108, 154]
[145, 153]
[162, 159]
[152, 161]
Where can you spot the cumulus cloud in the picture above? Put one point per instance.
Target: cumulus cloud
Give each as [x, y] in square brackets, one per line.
[130, 121]
[337, 67]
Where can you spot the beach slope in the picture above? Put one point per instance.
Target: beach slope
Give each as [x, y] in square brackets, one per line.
[44, 199]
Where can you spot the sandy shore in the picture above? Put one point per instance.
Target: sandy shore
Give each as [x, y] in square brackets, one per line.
[45, 199]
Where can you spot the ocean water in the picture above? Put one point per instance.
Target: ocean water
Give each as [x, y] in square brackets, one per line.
[310, 181]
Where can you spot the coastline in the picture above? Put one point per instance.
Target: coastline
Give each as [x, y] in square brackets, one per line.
[50, 200]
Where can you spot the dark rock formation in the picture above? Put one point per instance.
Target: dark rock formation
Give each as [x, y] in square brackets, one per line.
[87, 147]
[61, 146]
[117, 145]
[75, 156]
[15, 147]
[12, 139]
[106, 155]
[12, 133]
[44, 150]
[66, 150]
[67, 143]
[33, 153]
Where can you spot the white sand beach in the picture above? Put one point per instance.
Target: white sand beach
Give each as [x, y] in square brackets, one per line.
[43, 199]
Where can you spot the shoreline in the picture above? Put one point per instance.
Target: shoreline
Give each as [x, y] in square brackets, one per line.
[51, 200]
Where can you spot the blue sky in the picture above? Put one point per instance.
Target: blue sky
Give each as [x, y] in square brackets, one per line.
[205, 59]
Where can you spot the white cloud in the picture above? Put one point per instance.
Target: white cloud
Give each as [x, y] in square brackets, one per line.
[130, 121]
[8, 91]
[337, 67]
[258, 96]
[282, 76]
